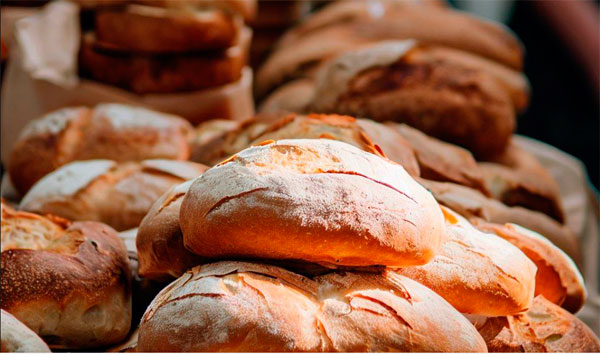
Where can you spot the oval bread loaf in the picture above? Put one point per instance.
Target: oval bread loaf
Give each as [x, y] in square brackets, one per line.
[18, 338]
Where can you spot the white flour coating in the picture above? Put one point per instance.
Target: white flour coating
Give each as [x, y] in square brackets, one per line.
[333, 81]
[124, 116]
[65, 182]
[52, 123]
[182, 169]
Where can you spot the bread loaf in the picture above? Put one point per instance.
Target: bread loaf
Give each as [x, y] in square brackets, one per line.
[232, 306]
[293, 97]
[477, 273]
[118, 194]
[17, 338]
[557, 278]
[320, 200]
[68, 282]
[110, 131]
[471, 203]
[545, 328]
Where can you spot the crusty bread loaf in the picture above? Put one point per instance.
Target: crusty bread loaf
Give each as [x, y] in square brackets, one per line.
[317, 200]
[441, 161]
[232, 306]
[146, 74]
[517, 178]
[68, 282]
[18, 338]
[471, 203]
[151, 29]
[545, 328]
[293, 97]
[557, 278]
[208, 138]
[118, 194]
[443, 98]
[108, 131]
[477, 273]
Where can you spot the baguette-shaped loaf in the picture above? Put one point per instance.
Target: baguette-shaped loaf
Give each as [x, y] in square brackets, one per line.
[232, 306]
[478, 273]
[18, 338]
[557, 278]
[118, 194]
[69, 282]
[108, 131]
[317, 200]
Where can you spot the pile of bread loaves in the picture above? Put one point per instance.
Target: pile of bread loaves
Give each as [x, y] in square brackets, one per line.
[308, 233]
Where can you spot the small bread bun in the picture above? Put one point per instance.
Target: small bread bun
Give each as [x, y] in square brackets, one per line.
[545, 328]
[233, 306]
[69, 282]
[317, 200]
[441, 161]
[477, 273]
[17, 338]
[108, 131]
[471, 203]
[558, 278]
[118, 194]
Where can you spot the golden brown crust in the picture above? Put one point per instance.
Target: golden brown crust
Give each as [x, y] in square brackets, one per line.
[557, 278]
[324, 201]
[440, 161]
[545, 328]
[477, 273]
[119, 195]
[18, 338]
[62, 294]
[470, 203]
[234, 306]
[150, 29]
[110, 131]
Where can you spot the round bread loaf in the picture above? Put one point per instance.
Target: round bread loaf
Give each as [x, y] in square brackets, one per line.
[18, 338]
[477, 273]
[69, 283]
[317, 200]
[233, 306]
[108, 131]
[545, 328]
[557, 278]
[118, 194]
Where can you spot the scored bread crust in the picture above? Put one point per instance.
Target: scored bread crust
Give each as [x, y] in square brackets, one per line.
[234, 306]
[118, 194]
[110, 131]
[150, 29]
[557, 278]
[317, 200]
[477, 273]
[18, 338]
[69, 282]
[545, 328]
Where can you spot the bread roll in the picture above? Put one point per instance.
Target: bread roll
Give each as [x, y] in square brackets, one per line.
[320, 200]
[557, 278]
[111, 131]
[470, 203]
[440, 161]
[517, 178]
[443, 98]
[477, 273]
[545, 328]
[17, 338]
[118, 194]
[69, 282]
[232, 306]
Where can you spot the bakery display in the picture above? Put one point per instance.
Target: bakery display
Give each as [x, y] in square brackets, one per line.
[68, 282]
[118, 194]
[18, 338]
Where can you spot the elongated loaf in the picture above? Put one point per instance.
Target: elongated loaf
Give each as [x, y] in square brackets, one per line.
[108, 131]
[118, 194]
[18, 338]
[478, 273]
[69, 282]
[232, 306]
[317, 200]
